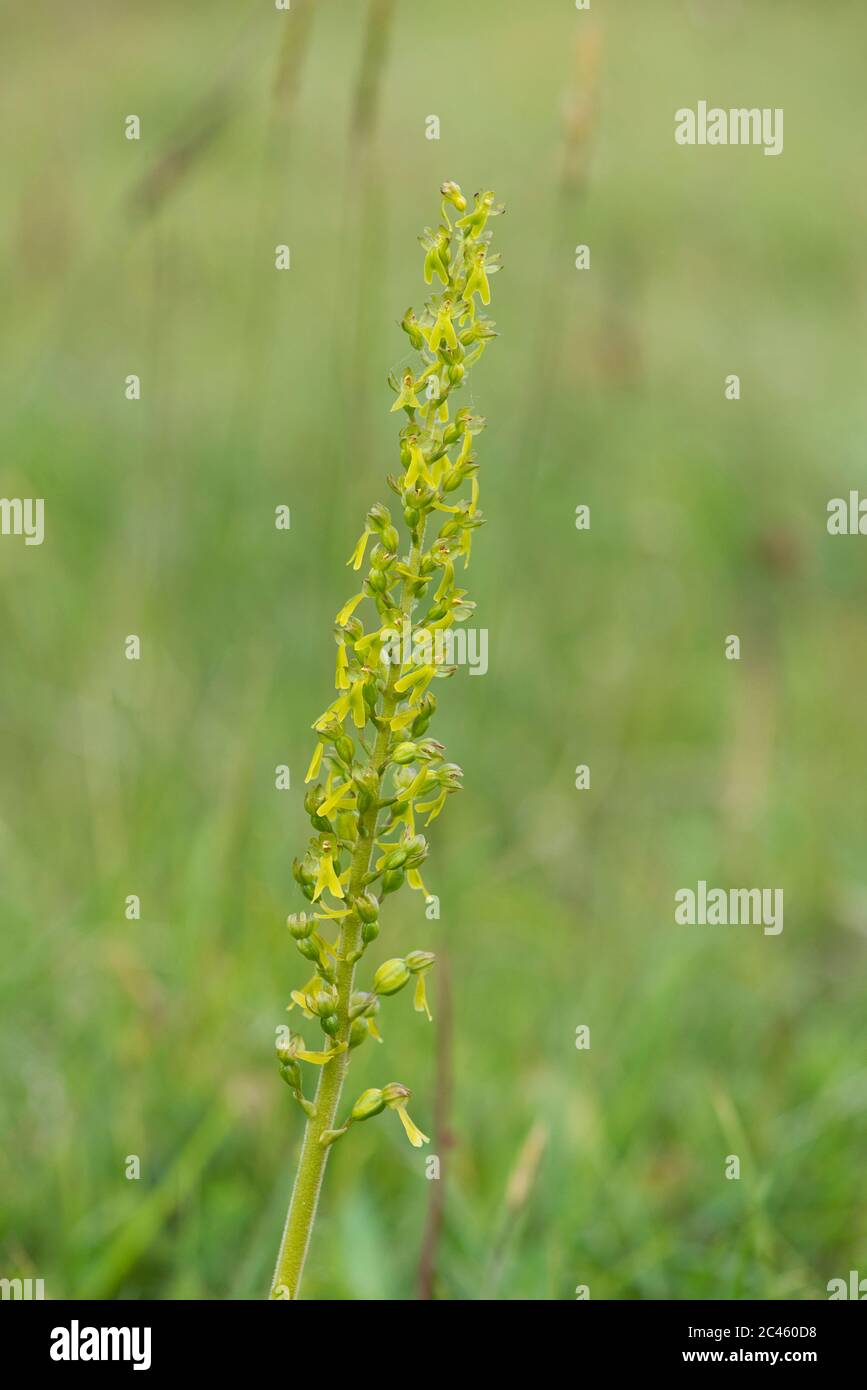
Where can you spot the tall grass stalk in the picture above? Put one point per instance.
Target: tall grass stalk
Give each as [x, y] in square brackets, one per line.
[271, 224]
[359, 299]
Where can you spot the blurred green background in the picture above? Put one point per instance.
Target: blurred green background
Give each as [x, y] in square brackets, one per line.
[602, 1167]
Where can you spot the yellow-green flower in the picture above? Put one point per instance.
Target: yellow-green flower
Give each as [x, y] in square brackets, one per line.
[315, 762]
[363, 644]
[356, 703]
[452, 193]
[478, 280]
[306, 998]
[422, 779]
[296, 1049]
[417, 681]
[420, 1003]
[435, 806]
[443, 329]
[436, 261]
[356, 559]
[333, 800]
[326, 877]
[448, 579]
[407, 398]
[417, 466]
[418, 963]
[335, 713]
[348, 609]
[414, 879]
[341, 678]
[396, 1097]
[474, 222]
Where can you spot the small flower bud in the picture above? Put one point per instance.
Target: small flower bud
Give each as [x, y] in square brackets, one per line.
[367, 907]
[409, 324]
[358, 1033]
[396, 859]
[330, 1024]
[381, 559]
[378, 517]
[377, 581]
[345, 749]
[392, 879]
[416, 851]
[291, 1074]
[404, 753]
[426, 710]
[452, 194]
[391, 976]
[366, 788]
[325, 1000]
[431, 748]
[313, 799]
[449, 775]
[394, 1095]
[308, 948]
[369, 1103]
[363, 1003]
[417, 961]
[302, 872]
[404, 778]
[300, 925]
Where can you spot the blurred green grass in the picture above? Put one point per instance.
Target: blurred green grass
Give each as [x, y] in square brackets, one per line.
[156, 778]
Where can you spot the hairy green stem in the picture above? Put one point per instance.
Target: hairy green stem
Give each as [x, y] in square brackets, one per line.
[314, 1154]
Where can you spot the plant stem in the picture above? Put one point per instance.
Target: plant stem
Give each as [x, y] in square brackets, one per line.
[314, 1155]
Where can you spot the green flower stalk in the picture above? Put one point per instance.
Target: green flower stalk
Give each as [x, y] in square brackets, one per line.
[375, 772]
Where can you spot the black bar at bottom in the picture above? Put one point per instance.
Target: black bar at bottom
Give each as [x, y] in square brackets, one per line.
[151, 1338]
